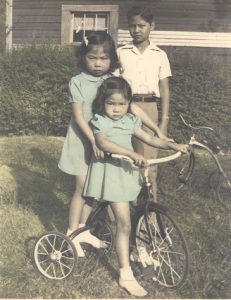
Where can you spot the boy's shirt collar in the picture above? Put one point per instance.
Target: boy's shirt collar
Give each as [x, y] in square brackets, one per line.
[131, 46]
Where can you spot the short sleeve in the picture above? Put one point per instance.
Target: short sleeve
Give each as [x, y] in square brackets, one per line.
[99, 124]
[75, 90]
[165, 70]
[136, 123]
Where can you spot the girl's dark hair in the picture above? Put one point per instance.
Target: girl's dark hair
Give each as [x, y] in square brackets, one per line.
[98, 38]
[144, 12]
[110, 86]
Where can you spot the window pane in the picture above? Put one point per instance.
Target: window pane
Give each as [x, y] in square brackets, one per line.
[84, 23]
[102, 22]
[89, 22]
[78, 22]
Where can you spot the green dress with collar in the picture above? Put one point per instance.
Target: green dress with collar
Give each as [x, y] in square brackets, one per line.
[113, 179]
[76, 152]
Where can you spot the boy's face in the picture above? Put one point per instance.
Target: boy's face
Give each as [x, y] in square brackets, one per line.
[139, 29]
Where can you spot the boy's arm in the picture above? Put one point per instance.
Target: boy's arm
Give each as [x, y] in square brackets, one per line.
[159, 143]
[146, 120]
[164, 95]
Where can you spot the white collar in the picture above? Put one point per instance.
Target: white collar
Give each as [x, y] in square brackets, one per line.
[131, 46]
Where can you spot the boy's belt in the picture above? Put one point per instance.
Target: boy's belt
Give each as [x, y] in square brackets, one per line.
[144, 98]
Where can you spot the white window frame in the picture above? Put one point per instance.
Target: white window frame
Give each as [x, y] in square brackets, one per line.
[68, 19]
[94, 15]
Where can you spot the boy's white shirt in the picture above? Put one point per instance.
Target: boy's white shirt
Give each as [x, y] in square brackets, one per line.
[143, 71]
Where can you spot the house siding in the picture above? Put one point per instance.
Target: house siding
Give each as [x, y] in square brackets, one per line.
[41, 20]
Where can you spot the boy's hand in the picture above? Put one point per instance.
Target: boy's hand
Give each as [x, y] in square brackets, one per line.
[138, 159]
[184, 148]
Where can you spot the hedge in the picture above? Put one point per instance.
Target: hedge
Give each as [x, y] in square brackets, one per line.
[34, 94]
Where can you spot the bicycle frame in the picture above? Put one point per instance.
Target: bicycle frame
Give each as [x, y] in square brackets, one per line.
[146, 191]
[193, 143]
[91, 219]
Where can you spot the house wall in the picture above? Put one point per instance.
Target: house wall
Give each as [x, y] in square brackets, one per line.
[41, 19]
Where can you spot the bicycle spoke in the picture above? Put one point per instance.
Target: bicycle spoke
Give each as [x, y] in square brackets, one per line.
[43, 261]
[54, 272]
[44, 248]
[46, 270]
[63, 241]
[52, 246]
[61, 267]
[169, 265]
[55, 256]
[167, 248]
[67, 257]
[66, 266]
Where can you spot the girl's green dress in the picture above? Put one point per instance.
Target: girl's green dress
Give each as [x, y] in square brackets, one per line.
[113, 179]
[76, 153]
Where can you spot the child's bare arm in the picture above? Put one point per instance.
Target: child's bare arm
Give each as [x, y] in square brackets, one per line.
[164, 95]
[146, 120]
[106, 145]
[136, 110]
[77, 111]
[160, 143]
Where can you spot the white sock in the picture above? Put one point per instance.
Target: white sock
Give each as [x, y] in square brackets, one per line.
[128, 282]
[126, 272]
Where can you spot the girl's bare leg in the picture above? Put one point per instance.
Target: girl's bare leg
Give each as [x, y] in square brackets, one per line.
[123, 227]
[78, 214]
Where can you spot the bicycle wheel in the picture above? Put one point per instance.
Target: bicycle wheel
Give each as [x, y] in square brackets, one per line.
[55, 255]
[103, 231]
[166, 247]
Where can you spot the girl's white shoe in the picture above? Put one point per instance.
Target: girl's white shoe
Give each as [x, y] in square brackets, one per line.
[130, 284]
[88, 238]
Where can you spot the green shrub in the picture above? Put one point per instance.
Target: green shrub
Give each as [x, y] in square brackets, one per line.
[199, 91]
[34, 90]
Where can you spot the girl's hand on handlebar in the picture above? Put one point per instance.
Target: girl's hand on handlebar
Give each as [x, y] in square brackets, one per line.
[138, 159]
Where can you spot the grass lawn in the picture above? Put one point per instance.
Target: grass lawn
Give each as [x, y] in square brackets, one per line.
[35, 197]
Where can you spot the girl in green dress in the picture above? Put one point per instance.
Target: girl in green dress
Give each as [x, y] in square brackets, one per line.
[115, 180]
[97, 59]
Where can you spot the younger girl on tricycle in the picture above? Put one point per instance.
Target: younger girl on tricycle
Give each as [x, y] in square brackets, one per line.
[118, 181]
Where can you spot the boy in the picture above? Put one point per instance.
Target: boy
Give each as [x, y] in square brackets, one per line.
[146, 68]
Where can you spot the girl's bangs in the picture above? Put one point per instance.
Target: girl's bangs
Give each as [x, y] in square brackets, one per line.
[107, 48]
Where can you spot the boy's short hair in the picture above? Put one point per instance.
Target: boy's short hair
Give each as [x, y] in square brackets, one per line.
[145, 13]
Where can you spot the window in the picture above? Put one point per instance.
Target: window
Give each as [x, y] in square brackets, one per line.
[84, 23]
[79, 20]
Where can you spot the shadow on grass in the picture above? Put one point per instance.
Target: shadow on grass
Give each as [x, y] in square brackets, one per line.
[29, 245]
[45, 190]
